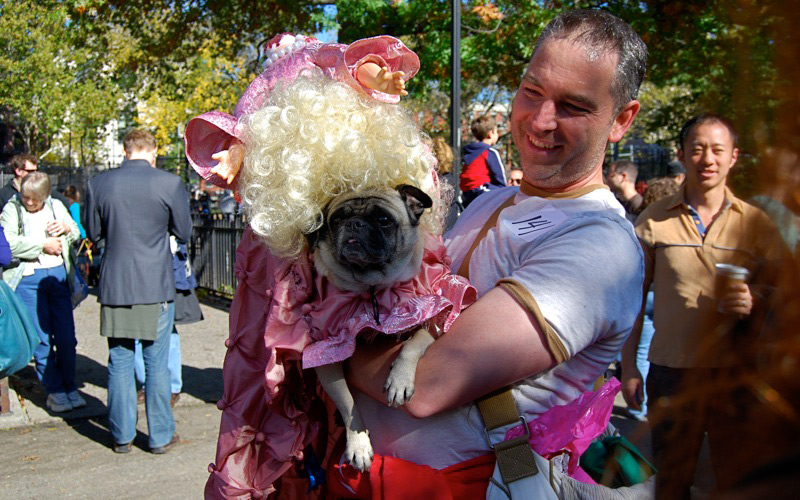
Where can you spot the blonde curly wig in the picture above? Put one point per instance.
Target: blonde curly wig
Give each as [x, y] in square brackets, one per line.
[316, 138]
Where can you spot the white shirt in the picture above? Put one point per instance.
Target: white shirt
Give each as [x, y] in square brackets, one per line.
[574, 259]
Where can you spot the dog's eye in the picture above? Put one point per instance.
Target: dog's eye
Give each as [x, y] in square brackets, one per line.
[384, 221]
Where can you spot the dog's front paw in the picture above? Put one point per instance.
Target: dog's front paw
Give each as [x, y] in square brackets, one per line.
[358, 451]
[399, 385]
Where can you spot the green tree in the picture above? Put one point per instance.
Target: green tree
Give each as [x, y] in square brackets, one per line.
[50, 83]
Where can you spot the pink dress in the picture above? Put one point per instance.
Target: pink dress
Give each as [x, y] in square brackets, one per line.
[285, 318]
[215, 131]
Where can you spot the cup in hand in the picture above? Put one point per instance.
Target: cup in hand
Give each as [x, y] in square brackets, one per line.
[727, 275]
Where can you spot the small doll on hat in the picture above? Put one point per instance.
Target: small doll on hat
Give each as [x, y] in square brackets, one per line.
[377, 67]
[307, 130]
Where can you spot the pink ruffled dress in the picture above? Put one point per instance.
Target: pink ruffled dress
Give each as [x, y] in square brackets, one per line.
[284, 318]
[215, 131]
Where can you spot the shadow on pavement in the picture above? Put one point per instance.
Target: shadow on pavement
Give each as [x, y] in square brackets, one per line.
[204, 384]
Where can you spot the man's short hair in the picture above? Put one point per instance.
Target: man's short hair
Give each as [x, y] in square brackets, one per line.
[482, 126]
[139, 140]
[702, 119]
[600, 30]
[18, 161]
[624, 167]
[675, 168]
[36, 185]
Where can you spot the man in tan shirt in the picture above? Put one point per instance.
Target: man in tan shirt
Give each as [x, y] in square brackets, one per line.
[700, 332]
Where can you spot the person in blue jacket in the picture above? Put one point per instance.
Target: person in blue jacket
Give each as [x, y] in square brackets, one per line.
[5, 250]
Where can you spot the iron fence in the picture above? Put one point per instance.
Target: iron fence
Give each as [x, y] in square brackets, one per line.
[213, 250]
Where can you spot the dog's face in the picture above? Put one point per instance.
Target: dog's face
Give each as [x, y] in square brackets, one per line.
[371, 238]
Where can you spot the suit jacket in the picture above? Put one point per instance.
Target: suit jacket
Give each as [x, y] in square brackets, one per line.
[133, 208]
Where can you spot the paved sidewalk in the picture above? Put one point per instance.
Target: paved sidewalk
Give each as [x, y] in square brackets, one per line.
[46, 454]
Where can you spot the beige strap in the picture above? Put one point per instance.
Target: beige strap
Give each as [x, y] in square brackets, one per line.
[514, 457]
[463, 269]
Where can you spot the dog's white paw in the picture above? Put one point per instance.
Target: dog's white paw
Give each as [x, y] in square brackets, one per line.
[399, 385]
[358, 451]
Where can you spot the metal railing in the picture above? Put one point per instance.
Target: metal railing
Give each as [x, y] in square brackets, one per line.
[213, 250]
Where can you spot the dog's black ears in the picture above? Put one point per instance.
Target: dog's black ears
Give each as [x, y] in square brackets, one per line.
[416, 201]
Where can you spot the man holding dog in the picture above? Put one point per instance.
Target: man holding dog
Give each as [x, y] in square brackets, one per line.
[549, 320]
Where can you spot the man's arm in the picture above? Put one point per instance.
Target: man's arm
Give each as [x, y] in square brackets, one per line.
[180, 223]
[91, 216]
[493, 343]
[632, 381]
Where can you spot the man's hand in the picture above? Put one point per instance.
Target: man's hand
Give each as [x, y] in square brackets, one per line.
[52, 246]
[633, 389]
[56, 228]
[379, 78]
[230, 162]
[737, 300]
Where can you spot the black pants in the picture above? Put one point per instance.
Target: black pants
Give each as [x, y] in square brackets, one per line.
[682, 407]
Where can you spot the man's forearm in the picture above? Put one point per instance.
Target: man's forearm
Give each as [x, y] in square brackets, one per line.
[631, 346]
[475, 357]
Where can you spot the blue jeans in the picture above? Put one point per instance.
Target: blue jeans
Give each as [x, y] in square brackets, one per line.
[175, 368]
[643, 350]
[122, 386]
[47, 297]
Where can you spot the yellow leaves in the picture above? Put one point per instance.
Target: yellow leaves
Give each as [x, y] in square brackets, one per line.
[487, 12]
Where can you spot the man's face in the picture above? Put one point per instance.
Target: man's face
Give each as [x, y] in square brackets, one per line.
[515, 178]
[708, 155]
[563, 114]
[22, 172]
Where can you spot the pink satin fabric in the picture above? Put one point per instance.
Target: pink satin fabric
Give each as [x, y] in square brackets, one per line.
[285, 317]
[213, 132]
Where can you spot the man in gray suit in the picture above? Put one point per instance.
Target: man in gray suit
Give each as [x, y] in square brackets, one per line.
[134, 209]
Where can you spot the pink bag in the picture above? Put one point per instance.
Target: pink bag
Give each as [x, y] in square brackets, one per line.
[572, 427]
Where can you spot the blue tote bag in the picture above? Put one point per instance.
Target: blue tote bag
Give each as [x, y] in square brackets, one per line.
[18, 337]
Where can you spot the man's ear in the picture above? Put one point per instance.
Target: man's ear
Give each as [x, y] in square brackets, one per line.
[623, 121]
[416, 201]
[734, 156]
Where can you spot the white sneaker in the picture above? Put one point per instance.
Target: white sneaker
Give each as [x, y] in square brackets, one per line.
[59, 402]
[76, 400]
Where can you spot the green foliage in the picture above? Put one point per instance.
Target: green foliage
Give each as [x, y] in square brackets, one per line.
[496, 43]
[51, 83]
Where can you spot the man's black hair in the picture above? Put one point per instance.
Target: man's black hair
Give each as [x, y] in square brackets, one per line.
[701, 119]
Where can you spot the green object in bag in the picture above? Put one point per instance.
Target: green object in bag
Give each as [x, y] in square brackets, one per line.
[18, 336]
[615, 462]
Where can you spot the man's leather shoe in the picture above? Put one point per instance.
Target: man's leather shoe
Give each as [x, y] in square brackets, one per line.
[160, 450]
[122, 448]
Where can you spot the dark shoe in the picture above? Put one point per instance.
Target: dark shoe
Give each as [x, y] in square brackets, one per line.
[122, 448]
[140, 397]
[173, 400]
[163, 449]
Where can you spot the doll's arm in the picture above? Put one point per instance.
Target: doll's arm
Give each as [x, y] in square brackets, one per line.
[210, 137]
[230, 162]
[375, 77]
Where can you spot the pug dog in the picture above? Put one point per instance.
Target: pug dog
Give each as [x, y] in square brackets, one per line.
[370, 240]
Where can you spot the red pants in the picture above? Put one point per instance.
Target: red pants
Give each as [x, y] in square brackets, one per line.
[392, 478]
